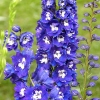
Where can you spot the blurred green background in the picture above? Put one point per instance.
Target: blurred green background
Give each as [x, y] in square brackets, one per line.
[28, 13]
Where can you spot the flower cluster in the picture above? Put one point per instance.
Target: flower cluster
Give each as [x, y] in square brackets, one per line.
[18, 71]
[56, 54]
[57, 44]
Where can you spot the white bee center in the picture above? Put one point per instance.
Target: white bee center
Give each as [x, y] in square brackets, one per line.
[44, 59]
[37, 95]
[60, 39]
[53, 27]
[70, 65]
[70, 34]
[22, 64]
[61, 95]
[48, 3]
[57, 54]
[22, 91]
[48, 16]
[10, 42]
[62, 13]
[46, 40]
[68, 50]
[26, 40]
[66, 23]
[61, 73]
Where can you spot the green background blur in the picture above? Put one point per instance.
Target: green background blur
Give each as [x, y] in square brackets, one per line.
[28, 13]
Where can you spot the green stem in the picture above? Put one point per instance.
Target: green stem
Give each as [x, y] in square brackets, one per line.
[31, 80]
[87, 55]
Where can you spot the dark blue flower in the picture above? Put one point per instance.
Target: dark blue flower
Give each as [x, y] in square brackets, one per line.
[46, 16]
[62, 75]
[36, 93]
[48, 3]
[26, 39]
[58, 56]
[62, 3]
[66, 25]
[20, 90]
[21, 64]
[54, 28]
[61, 40]
[61, 14]
[44, 42]
[42, 59]
[12, 42]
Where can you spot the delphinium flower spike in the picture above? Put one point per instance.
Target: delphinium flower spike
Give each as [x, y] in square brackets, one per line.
[89, 59]
[18, 71]
[57, 44]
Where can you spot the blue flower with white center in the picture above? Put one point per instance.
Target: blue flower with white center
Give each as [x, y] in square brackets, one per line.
[46, 16]
[36, 93]
[61, 14]
[54, 28]
[42, 59]
[62, 3]
[20, 89]
[12, 42]
[70, 64]
[67, 25]
[44, 42]
[61, 40]
[21, 64]
[26, 39]
[62, 75]
[58, 56]
[8, 71]
[48, 3]
[71, 51]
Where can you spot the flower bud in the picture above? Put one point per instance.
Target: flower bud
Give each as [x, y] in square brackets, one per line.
[16, 28]
[96, 58]
[97, 12]
[94, 19]
[76, 61]
[91, 84]
[90, 57]
[91, 63]
[74, 84]
[97, 26]
[95, 37]
[75, 92]
[81, 38]
[84, 21]
[89, 93]
[86, 14]
[79, 55]
[82, 71]
[94, 78]
[84, 47]
[97, 65]
[86, 28]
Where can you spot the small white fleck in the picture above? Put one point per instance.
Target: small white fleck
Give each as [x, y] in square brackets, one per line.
[57, 54]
